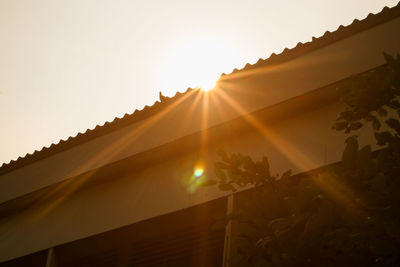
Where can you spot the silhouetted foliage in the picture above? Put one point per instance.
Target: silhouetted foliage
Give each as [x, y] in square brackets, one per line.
[344, 214]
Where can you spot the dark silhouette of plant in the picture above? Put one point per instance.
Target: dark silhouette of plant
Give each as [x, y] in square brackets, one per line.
[343, 214]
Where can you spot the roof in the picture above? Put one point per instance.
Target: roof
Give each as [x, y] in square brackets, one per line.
[300, 49]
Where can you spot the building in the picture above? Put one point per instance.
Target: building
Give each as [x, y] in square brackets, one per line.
[123, 194]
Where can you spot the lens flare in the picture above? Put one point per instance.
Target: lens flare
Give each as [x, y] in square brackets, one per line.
[198, 172]
[195, 178]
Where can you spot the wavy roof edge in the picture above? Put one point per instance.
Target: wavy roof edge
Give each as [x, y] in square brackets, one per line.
[329, 37]
[97, 131]
[287, 54]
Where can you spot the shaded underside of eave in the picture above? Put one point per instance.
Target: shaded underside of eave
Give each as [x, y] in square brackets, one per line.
[300, 49]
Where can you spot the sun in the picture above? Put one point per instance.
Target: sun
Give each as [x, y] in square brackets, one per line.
[208, 86]
[197, 60]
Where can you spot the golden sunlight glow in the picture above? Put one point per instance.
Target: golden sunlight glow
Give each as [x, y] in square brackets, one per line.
[63, 190]
[288, 149]
[327, 183]
[209, 88]
[197, 60]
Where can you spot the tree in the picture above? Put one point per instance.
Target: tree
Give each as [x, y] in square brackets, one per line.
[344, 214]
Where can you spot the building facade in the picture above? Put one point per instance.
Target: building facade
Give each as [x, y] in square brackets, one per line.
[125, 193]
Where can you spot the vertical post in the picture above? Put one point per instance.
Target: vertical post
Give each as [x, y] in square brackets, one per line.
[228, 232]
[51, 258]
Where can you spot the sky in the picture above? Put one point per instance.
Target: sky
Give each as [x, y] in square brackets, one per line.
[69, 65]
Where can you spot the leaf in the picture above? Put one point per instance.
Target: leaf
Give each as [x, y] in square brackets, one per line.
[220, 174]
[350, 152]
[222, 154]
[340, 126]
[390, 60]
[280, 225]
[369, 117]
[262, 168]
[249, 164]
[355, 125]
[221, 166]
[382, 157]
[394, 124]
[208, 183]
[338, 236]
[226, 187]
[286, 174]
[382, 247]
[376, 124]
[364, 158]
[394, 104]
[263, 242]
[383, 138]
[347, 115]
[382, 112]
[317, 222]
[378, 183]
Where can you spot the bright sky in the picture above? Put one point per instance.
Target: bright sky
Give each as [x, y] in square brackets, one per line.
[68, 65]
